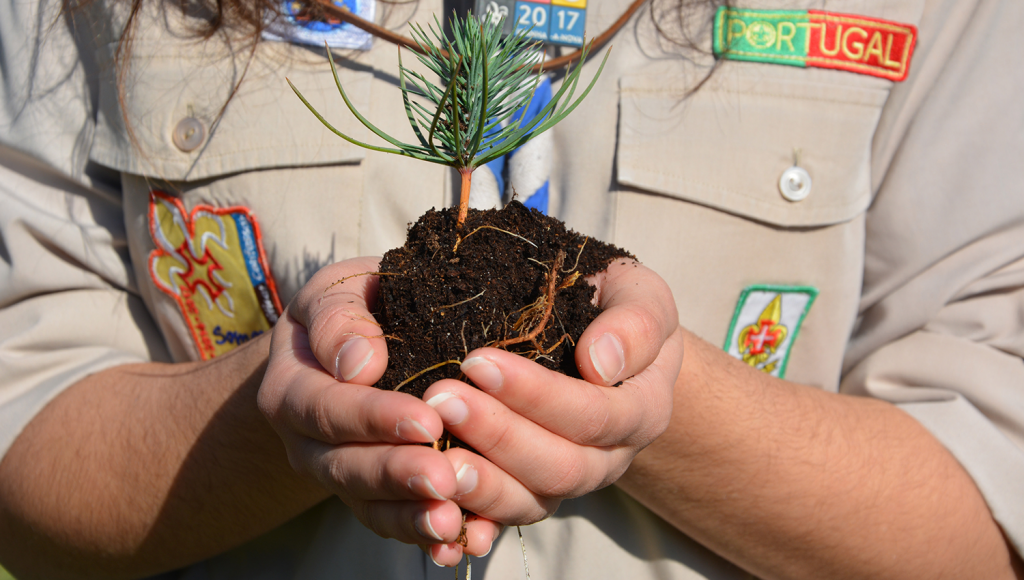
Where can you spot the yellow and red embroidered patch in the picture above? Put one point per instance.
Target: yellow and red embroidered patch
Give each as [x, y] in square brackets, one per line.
[211, 262]
[766, 323]
[813, 38]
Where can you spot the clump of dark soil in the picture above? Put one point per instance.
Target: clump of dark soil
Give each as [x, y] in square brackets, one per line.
[450, 290]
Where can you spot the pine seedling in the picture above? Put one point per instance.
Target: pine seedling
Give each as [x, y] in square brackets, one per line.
[464, 120]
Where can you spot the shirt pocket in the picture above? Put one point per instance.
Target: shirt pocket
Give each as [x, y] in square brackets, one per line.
[196, 110]
[727, 145]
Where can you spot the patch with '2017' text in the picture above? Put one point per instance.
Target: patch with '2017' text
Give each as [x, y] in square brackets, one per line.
[766, 323]
[814, 38]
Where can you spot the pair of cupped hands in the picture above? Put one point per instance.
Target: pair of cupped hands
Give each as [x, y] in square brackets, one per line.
[541, 436]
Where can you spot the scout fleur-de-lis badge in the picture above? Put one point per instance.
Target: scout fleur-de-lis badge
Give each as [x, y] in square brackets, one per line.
[766, 323]
[762, 339]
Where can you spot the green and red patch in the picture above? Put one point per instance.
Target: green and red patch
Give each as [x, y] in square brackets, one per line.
[812, 38]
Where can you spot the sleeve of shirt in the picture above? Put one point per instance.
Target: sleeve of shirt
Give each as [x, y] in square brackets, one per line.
[67, 302]
[941, 327]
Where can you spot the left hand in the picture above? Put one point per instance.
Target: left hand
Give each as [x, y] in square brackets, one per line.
[544, 437]
[357, 442]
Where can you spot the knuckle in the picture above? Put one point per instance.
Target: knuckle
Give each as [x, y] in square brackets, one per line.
[371, 518]
[393, 464]
[321, 416]
[507, 506]
[648, 417]
[267, 403]
[645, 323]
[497, 442]
[570, 479]
[545, 509]
[325, 328]
[616, 465]
[657, 405]
[492, 503]
[593, 430]
[335, 473]
[271, 395]
[295, 461]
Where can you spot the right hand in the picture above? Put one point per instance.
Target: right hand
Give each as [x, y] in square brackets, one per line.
[361, 443]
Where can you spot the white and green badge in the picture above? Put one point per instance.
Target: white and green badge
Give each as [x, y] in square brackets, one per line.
[766, 323]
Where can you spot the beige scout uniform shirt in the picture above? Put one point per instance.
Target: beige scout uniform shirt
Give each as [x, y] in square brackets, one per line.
[912, 234]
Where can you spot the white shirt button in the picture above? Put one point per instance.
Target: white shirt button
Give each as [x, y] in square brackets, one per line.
[795, 183]
[188, 134]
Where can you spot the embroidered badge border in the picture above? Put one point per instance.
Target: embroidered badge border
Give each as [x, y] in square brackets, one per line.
[251, 253]
[814, 38]
[789, 334]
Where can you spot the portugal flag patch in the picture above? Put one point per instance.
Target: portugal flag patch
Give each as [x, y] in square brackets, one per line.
[813, 38]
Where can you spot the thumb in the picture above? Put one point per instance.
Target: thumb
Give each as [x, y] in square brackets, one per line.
[334, 306]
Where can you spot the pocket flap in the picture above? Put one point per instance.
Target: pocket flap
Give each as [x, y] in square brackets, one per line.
[182, 84]
[727, 145]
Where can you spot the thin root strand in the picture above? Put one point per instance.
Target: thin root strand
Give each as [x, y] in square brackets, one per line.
[470, 299]
[549, 304]
[463, 238]
[578, 254]
[424, 371]
[336, 282]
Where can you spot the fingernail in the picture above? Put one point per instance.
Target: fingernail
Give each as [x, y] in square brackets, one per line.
[352, 357]
[608, 357]
[453, 547]
[420, 484]
[483, 373]
[423, 526]
[465, 479]
[430, 552]
[412, 431]
[452, 409]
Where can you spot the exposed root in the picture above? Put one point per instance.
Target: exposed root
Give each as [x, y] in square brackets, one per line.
[578, 254]
[391, 336]
[562, 326]
[470, 299]
[528, 313]
[462, 540]
[526, 565]
[549, 303]
[538, 262]
[557, 344]
[569, 281]
[462, 333]
[424, 371]
[367, 319]
[336, 282]
[444, 443]
[460, 240]
[469, 569]
[361, 317]
[544, 352]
